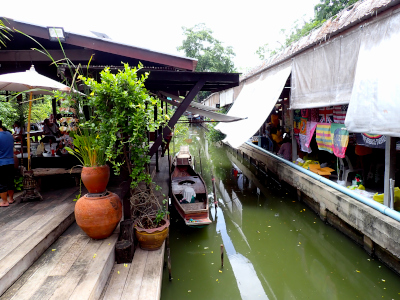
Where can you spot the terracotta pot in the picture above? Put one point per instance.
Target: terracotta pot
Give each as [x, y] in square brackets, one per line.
[95, 179]
[151, 239]
[98, 216]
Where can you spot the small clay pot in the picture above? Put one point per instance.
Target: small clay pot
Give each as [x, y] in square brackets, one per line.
[95, 179]
[151, 239]
[98, 216]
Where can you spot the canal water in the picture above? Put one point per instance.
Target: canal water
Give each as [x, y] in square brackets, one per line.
[275, 247]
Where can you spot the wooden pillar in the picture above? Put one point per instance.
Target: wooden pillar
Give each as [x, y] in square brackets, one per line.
[54, 108]
[390, 166]
[156, 133]
[294, 143]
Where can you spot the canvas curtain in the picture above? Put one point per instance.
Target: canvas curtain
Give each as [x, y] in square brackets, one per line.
[324, 76]
[375, 102]
[255, 103]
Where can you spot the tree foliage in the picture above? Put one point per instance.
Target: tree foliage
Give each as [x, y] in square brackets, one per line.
[123, 114]
[322, 11]
[328, 8]
[212, 56]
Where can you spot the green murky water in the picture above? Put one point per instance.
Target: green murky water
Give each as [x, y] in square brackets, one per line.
[275, 247]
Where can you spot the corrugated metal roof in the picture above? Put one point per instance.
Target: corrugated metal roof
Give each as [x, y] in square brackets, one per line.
[345, 19]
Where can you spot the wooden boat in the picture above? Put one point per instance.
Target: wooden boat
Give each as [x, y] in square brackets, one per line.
[189, 190]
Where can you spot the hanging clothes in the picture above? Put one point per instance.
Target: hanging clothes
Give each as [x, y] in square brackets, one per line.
[339, 113]
[324, 138]
[340, 137]
[311, 126]
[326, 114]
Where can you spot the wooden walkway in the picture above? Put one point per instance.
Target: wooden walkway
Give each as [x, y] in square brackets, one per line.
[142, 278]
[45, 255]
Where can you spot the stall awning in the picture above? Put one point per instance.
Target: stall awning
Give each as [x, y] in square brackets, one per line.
[375, 101]
[206, 113]
[255, 101]
[324, 76]
[226, 97]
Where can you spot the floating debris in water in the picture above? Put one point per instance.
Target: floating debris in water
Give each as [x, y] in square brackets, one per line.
[205, 247]
[358, 271]
[221, 272]
[53, 249]
[276, 215]
[189, 291]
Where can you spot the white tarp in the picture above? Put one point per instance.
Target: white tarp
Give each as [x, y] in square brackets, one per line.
[324, 76]
[206, 113]
[255, 102]
[375, 102]
[226, 97]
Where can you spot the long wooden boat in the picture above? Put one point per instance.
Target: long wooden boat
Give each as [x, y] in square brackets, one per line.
[189, 190]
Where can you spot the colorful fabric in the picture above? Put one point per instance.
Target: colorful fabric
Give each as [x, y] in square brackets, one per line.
[340, 138]
[371, 140]
[314, 115]
[297, 115]
[339, 113]
[305, 113]
[324, 138]
[326, 114]
[303, 140]
[311, 126]
[303, 126]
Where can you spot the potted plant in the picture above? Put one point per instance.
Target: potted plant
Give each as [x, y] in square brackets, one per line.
[151, 223]
[99, 212]
[95, 171]
[123, 112]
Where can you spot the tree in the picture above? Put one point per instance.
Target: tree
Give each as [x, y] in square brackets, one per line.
[212, 56]
[322, 11]
[328, 8]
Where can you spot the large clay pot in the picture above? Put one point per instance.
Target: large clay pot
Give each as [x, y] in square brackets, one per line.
[98, 216]
[151, 239]
[95, 179]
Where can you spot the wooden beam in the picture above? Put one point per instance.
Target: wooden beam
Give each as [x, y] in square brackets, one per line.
[36, 56]
[178, 113]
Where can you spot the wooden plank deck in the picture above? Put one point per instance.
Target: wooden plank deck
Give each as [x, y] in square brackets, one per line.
[28, 229]
[142, 278]
[43, 256]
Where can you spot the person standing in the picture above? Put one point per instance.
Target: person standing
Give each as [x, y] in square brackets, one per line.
[6, 166]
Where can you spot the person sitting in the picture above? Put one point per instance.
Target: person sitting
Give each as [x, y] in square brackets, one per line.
[17, 135]
[51, 132]
[286, 149]
[276, 137]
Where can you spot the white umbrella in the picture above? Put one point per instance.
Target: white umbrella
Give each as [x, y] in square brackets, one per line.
[36, 83]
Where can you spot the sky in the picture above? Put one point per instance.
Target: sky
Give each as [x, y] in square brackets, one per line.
[157, 25]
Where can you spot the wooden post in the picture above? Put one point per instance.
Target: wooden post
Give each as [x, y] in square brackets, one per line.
[201, 168]
[390, 166]
[215, 194]
[222, 255]
[156, 133]
[294, 143]
[125, 247]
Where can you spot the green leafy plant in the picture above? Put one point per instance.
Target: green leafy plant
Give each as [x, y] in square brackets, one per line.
[123, 114]
[18, 184]
[86, 148]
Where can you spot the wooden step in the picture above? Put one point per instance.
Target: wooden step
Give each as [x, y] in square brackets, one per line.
[141, 279]
[73, 267]
[28, 229]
